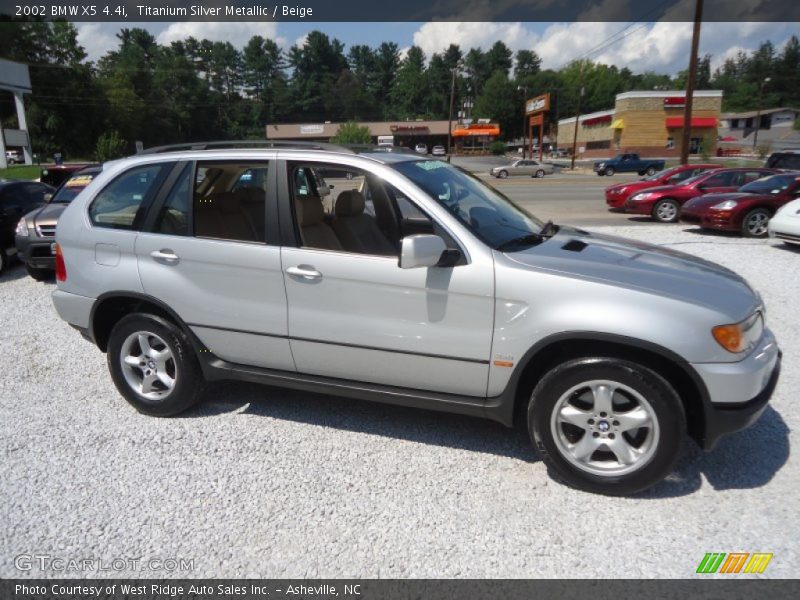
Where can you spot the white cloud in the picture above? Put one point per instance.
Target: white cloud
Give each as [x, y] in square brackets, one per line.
[237, 33]
[437, 36]
[661, 47]
[301, 41]
[96, 39]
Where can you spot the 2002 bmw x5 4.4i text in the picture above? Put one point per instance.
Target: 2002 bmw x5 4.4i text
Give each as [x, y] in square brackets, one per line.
[402, 279]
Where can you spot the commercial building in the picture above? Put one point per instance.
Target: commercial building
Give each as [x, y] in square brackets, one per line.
[465, 137]
[15, 79]
[775, 130]
[647, 122]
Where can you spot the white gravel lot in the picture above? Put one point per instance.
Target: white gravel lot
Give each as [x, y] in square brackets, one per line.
[259, 482]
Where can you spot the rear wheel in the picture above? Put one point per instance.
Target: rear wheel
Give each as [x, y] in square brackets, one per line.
[755, 223]
[609, 171]
[153, 365]
[539, 174]
[606, 425]
[650, 171]
[666, 211]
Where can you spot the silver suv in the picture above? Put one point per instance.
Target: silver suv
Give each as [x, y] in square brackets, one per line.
[401, 279]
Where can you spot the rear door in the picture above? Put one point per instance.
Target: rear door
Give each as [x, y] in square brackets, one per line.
[207, 251]
[719, 183]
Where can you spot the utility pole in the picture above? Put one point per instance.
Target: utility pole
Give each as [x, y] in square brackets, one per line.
[450, 116]
[577, 115]
[524, 91]
[690, 81]
[758, 111]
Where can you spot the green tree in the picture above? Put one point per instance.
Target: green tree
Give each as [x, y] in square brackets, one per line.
[109, 146]
[409, 91]
[498, 103]
[352, 133]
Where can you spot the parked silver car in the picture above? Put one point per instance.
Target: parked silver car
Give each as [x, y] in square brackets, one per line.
[530, 167]
[421, 286]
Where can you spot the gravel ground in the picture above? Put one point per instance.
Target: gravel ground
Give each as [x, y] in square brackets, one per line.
[260, 482]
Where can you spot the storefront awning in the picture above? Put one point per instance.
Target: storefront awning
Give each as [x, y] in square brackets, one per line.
[617, 124]
[493, 130]
[697, 122]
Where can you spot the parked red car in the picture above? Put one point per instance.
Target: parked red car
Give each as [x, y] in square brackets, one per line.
[748, 210]
[618, 193]
[664, 203]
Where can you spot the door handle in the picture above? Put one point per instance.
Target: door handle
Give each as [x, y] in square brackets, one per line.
[165, 256]
[305, 271]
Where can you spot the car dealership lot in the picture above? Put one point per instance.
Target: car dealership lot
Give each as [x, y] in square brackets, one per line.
[265, 482]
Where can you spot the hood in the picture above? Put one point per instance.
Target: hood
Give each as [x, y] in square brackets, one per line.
[48, 214]
[661, 189]
[707, 200]
[636, 265]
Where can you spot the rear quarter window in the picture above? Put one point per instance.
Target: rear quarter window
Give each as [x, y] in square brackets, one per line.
[119, 203]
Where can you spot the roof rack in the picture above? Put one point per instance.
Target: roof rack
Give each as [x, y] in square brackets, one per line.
[219, 145]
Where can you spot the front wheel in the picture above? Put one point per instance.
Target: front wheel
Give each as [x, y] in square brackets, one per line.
[755, 223]
[502, 174]
[666, 211]
[153, 365]
[650, 171]
[609, 171]
[606, 425]
[539, 174]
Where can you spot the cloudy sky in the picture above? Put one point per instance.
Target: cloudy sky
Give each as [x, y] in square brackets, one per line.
[661, 47]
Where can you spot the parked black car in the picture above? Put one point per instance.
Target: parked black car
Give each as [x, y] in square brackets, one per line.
[16, 199]
[36, 232]
[784, 160]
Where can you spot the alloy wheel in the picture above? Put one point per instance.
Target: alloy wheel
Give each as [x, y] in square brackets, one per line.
[757, 223]
[148, 365]
[666, 212]
[605, 428]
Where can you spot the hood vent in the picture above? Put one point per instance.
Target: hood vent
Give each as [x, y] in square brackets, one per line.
[574, 246]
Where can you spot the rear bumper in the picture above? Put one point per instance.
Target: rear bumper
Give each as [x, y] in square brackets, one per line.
[74, 309]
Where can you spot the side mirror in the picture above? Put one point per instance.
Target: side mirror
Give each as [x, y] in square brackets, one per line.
[423, 250]
[48, 196]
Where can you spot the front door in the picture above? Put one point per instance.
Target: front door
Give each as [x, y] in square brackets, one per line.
[205, 254]
[355, 314]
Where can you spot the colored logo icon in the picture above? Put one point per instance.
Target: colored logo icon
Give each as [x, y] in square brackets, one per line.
[733, 563]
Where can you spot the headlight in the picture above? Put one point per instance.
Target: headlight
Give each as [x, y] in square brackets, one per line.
[601, 164]
[741, 336]
[727, 205]
[642, 196]
[22, 228]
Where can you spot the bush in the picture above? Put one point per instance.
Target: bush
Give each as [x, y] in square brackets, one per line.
[498, 148]
[109, 146]
[352, 133]
[763, 151]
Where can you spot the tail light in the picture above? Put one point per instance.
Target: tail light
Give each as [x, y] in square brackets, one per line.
[61, 267]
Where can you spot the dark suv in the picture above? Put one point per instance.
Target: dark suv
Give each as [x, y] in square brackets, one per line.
[784, 160]
[36, 231]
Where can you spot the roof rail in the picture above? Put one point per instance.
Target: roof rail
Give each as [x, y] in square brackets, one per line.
[188, 146]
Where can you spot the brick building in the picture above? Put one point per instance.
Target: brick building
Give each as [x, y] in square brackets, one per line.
[650, 123]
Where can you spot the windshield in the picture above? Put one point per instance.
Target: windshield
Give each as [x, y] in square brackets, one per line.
[691, 180]
[774, 184]
[72, 187]
[660, 174]
[487, 213]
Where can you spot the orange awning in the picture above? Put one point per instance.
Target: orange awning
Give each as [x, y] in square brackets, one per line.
[493, 130]
[676, 122]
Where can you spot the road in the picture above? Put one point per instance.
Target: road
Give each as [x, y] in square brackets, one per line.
[567, 198]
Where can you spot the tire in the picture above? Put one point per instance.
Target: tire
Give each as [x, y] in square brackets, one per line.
[609, 171]
[666, 210]
[539, 174]
[650, 171]
[754, 224]
[3, 260]
[641, 396]
[502, 174]
[179, 365]
[39, 274]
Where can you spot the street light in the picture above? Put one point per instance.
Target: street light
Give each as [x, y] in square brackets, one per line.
[524, 90]
[758, 111]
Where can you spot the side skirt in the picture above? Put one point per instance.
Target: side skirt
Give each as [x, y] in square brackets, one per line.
[215, 369]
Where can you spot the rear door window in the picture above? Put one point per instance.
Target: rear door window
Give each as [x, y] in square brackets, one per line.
[119, 204]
